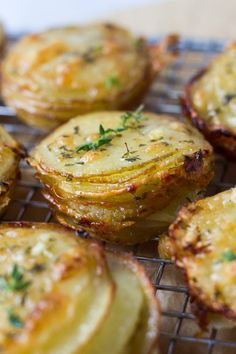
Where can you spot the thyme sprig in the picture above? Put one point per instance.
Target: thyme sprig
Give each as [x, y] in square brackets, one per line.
[106, 135]
[112, 81]
[14, 281]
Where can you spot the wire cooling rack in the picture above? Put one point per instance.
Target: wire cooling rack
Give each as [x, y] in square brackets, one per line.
[179, 330]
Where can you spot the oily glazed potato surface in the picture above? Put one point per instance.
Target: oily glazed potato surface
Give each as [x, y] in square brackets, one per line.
[154, 141]
[52, 76]
[210, 101]
[204, 244]
[55, 289]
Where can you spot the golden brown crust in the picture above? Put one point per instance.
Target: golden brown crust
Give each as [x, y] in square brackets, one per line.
[203, 242]
[56, 75]
[221, 135]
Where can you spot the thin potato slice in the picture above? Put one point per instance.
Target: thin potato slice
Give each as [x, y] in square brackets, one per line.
[106, 222]
[55, 290]
[132, 325]
[204, 244]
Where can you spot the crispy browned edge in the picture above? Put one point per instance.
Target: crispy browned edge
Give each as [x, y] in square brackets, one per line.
[222, 138]
[200, 304]
[131, 262]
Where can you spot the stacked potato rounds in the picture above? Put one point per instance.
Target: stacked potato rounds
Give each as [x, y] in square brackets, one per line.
[55, 75]
[10, 153]
[121, 176]
[210, 102]
[204, 244]
[62, 295]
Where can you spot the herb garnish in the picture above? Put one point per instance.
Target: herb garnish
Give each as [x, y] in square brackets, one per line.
[112, 81]
[227, 256]
[106, 135]
[14, 319]
[127, 155]
[15, 281]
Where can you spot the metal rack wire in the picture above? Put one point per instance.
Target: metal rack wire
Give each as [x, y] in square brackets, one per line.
[178, 327]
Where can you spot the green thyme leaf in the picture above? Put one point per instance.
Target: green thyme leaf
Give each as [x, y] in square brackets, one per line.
[137, 116]
[106, 135]
[85, 146]
[101, 130]
[94, 145]
[112, 81]
[14, 319]
[15, 281]
[228, 256]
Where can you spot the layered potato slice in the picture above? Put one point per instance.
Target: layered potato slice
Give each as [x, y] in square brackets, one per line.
[145, 338]
[10, 154]
[210, 102]
[120, 175]
[133, 321]
[61, 294]
[204, 243]
[55, 75]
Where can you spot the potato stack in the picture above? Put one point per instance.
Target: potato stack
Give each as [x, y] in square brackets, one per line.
[62, 295]
[121, 175]
[204, 244]
[50, 77]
